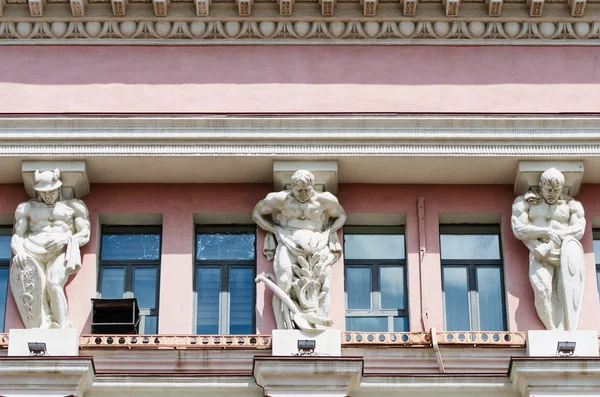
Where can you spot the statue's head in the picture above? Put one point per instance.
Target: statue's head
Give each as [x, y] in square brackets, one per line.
[47, 184]
[303, 182]
[552, 182]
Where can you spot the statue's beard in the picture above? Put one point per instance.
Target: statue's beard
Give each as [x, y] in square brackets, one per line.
[303, 198]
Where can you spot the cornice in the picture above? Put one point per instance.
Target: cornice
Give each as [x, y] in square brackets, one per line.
[317, 136]
[301, 150]
[307, 25]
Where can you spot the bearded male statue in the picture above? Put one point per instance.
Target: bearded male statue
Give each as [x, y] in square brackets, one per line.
[301, 239]
[48, 233]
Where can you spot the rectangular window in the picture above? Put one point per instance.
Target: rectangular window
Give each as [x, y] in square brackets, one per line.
[130, 268]
[5, 252]
[596, 234]
[472, 278]
[224, 287]
[375, 279]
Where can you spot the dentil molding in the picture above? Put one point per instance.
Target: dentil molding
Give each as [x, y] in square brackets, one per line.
[263, 23]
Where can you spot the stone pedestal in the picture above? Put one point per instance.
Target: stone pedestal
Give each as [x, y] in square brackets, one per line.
[544, 343]
[556, 377]
[308, 376]
[45, 376]
[59, 342]
[327, 343]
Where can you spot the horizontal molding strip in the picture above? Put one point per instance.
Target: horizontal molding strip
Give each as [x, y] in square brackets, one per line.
[307, 150]
[322, 134]
[190, 31]
[138, 131]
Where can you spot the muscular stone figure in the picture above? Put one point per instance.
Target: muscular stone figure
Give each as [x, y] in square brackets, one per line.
[48, 234]
[305, 224]
[546, 220]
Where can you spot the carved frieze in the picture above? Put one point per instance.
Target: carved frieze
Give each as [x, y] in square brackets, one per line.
[215, 32]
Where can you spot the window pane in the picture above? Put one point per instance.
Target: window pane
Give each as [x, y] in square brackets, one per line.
[598, 280]
[241, 300]
[228, 246]
[208, 288]
[597, 250]
[391, 279]
[144, 286]
[3, 289]
[112, 283]
[5, 248]
[470, 246]
[491, 307]
[130, 246]
[358, 287]
[367, 324]
[150, 325]
[456, 299]
[400, 324]
[374, 246]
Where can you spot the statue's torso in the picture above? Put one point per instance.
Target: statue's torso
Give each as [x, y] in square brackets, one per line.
[46, 221]
[296, 215]
[555, 216]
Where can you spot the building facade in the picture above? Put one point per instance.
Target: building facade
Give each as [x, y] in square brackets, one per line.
[426, 120]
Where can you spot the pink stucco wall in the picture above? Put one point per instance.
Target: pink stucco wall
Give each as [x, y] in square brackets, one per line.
[178, 204]
[298, 79]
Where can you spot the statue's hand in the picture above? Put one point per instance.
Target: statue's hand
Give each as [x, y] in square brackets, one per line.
[56, 244]
[20, 256]
[555, 237]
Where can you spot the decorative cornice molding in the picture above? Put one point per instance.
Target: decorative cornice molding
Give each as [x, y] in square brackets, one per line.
[304, 150]
[182, 26]
[300, 136]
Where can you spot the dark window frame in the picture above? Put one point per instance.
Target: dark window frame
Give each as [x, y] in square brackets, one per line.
[472, 265]
[131, 264]
[5, 230]
[225, 265]
[596, 236]
[375, 265]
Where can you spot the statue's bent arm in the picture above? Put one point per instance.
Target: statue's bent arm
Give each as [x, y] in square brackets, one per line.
[21, 227]
[576, 221]
[522, 228]
[81, 222]
[270, 204]
[334, 210]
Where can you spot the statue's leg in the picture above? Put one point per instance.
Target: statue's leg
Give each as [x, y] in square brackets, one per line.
[57, 277]
[541, 276]
[282, 266]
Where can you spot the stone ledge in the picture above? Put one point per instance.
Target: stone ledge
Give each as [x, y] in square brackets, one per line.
[310, 376]
[47, 376]
[552, 376]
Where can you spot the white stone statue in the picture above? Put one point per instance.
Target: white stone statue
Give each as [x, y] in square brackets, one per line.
[48, 234]
[551, 224]
[301, 239]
